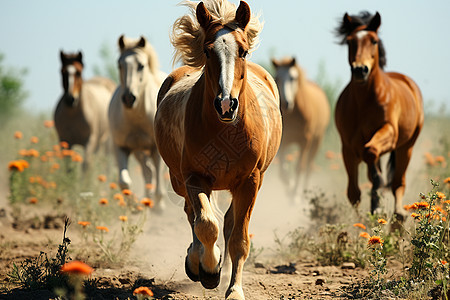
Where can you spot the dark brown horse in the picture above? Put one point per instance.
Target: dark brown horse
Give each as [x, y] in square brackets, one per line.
[378, 112]
[218, 127]
[81, 115]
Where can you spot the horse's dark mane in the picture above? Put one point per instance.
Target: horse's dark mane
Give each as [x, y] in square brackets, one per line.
[363, 18]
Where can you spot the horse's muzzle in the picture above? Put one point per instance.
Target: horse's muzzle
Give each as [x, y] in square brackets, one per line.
[226, 108]
[69, 99]
[128, 99]
[360, 73]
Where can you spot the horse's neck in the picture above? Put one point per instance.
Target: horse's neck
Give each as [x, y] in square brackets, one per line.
[376, 85]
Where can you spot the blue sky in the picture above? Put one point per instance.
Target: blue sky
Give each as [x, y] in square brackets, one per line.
[415, 34]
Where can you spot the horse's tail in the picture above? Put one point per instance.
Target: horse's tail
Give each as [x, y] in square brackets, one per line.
[390, 169]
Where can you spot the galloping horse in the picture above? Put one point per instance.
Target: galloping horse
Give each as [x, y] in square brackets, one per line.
[377, 113]
[306, 114]
[218, 127]
[81, 114]
[132, 111]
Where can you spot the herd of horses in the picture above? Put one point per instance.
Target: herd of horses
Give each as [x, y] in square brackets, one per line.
[217, 122]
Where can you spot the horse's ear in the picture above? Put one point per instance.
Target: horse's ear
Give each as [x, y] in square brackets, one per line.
[142, 42]
[375, 23]
[79, 57]
[121, 43]
[204, 18]
[347, 22]
[62, 56]
[243, 15]
[293, 62]
[275, 63]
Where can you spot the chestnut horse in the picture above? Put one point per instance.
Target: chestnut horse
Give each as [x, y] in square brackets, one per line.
[131, 115]
[306, 114]
[81, 113]
[218, 127]
[378, 112]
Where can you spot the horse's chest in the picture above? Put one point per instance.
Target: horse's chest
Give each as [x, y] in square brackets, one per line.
[224, 155]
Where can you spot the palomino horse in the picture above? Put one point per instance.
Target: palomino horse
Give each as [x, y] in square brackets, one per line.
[378, 112]
[306, 114]
[132, 111]
[81, 114]
[218, 127]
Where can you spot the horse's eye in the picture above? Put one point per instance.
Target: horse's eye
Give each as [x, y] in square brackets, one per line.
[374, 42]
[206, 53]
[242, 53]
[140, 67]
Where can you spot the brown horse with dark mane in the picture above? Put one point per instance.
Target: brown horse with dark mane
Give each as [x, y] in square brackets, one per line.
[218, 127]
[378, 112]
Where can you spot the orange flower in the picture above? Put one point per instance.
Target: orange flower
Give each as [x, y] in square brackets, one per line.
[102, 228]
[429, 159]
[52, 185]
[374, 240]
[359, 225]
[382, 221]
[251, 235]
[55, 166]
[440, 195]
[103, 201]
[64, 144]
[84, 223]
[123, 218]
[23, 152]
[149, 186]
[76, 267]
[139, 208]
[290, 157]
[18, 135]
[330, 154]
[34, 140]
[410, 207]
[32, 153]
[101, 178]
[118, 197]
[444, 219]
[147, 202]
[415, 216]
[364, 235]
[113, 185]
[44, 158]
[143, 290]
[439, 159]
[422, 204]
[447, 180]
[77, 158]
[49, 123]
[33, 200]
[122, 203]
[443, 262]
[127, 192]
[18, 165]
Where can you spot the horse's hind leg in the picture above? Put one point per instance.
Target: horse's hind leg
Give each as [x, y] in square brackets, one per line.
[239, 242]
[148, 169]
[159, 175]
[203, 259]
[402, 158]
[374, 174]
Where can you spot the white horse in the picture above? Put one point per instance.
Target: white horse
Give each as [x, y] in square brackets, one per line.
[81, 115]
[131, 114]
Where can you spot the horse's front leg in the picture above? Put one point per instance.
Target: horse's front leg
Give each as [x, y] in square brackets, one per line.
[203, 258]
[351, 162]
[160, 190]
[382, 141]
[238, 242]
[89, 150]
[122, 163]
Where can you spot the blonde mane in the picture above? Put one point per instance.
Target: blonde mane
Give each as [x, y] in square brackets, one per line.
[133, 45]
[188, 36]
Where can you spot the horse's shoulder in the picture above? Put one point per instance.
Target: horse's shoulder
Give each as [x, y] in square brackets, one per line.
[174, 77]
[410, 83]
[262, 75]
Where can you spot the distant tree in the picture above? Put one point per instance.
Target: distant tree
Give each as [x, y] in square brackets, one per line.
[12, 93]
[109, 67]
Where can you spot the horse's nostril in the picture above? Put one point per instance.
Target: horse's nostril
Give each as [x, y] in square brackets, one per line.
[365, 70]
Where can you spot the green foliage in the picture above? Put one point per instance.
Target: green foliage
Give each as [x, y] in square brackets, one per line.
[109, 66]
[43, 272]
[12, 93]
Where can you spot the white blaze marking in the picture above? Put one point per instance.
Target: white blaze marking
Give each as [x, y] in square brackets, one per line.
[361, 34]
[226, 49]
[71, 70]
[289, 85]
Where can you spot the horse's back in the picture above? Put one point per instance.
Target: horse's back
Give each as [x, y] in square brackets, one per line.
[318, 108]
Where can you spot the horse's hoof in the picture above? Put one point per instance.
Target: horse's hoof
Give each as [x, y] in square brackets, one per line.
[192, 276]
[209, 280]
